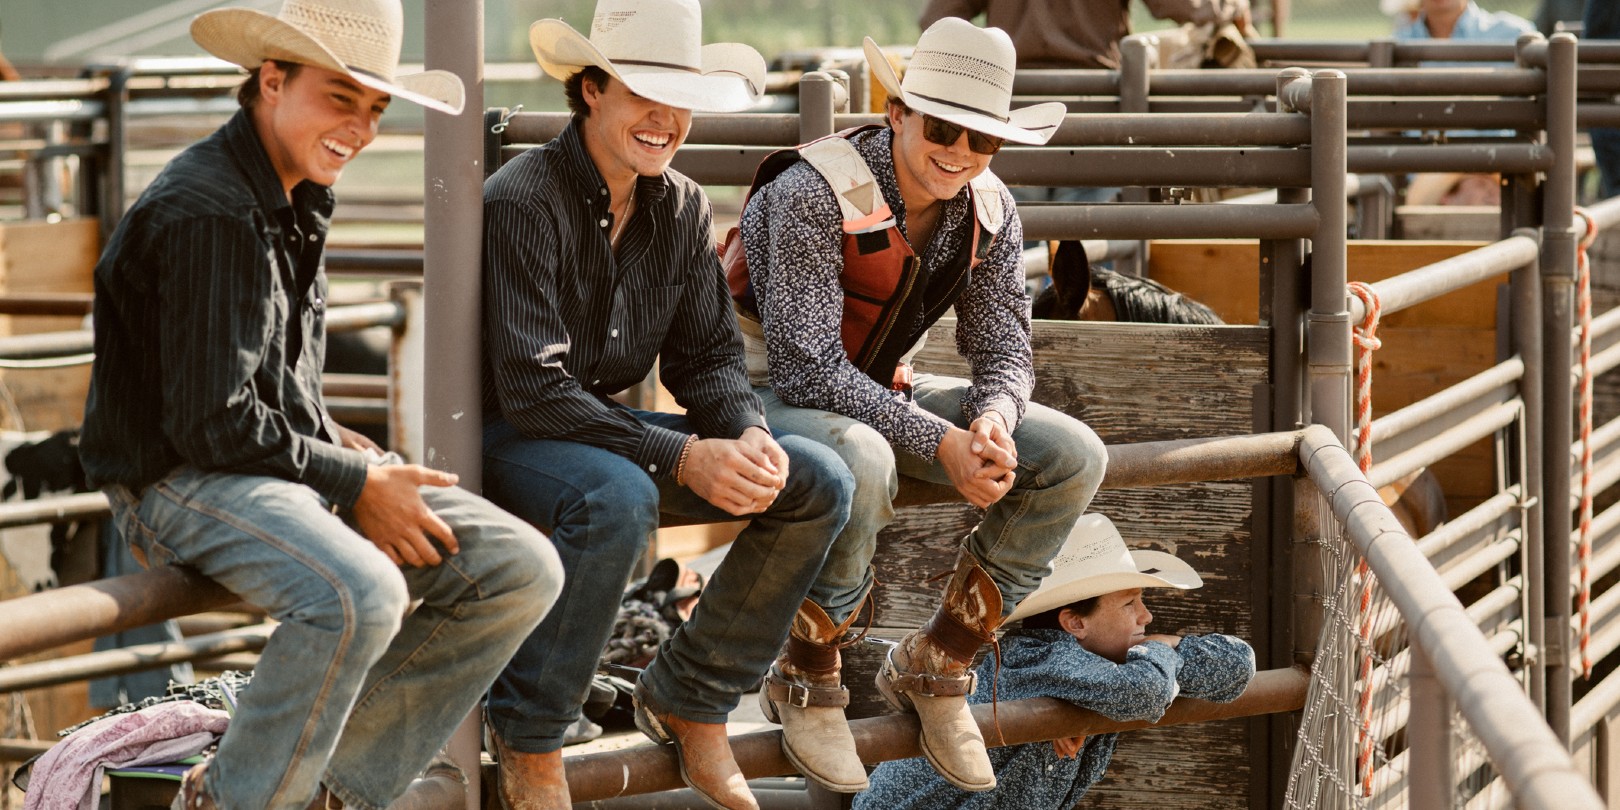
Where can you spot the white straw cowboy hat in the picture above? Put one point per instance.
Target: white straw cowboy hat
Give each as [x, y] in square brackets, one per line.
[655, 48]
[964, 74]
[358, 38]
[1095, 561]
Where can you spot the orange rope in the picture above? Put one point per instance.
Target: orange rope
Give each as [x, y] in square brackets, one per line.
[1366, 343]
[1583, 306]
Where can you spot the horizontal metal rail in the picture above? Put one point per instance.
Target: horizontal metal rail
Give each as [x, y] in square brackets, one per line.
[1407, 427]
[1470, 525]
[1447, 275]
[1446, 444]
[1149, 221]
[41, 621]
[652, 769]
[45, 345]
[1520, 743]
[136, 658]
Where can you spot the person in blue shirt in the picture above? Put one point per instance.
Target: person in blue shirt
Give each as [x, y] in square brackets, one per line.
[1084, 639]
[1462, 20]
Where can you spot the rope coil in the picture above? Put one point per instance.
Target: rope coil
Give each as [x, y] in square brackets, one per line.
[1367, 342]
[1583, 307]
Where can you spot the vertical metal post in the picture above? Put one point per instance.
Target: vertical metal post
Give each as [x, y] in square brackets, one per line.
[1558, 287]
[406, 378]
[1281, 263]
[1138, 56]
[818, 94]
[112, 204]
[1430, 784]
[1525, 326]
[1328, 326]
[452, 257]
[1381, 53]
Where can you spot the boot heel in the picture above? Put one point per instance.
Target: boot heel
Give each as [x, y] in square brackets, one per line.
[647, 724]
[768, 707]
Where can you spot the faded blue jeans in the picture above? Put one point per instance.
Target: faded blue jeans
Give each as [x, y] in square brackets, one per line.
[350, 692]
[1060, 466]
[600, 508]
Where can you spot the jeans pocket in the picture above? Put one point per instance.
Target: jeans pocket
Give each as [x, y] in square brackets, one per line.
[134, 531]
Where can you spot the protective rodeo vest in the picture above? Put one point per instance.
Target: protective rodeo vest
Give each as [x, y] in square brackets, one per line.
[885, 286]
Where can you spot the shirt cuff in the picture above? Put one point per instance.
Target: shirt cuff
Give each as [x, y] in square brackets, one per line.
[660, 450]
[1004, 406]
[744, 421]
[336, 472]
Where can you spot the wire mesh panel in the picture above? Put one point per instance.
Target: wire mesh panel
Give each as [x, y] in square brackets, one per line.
[1375, 723]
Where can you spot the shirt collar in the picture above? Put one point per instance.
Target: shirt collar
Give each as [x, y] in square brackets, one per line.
[243, 145]
[583, 173]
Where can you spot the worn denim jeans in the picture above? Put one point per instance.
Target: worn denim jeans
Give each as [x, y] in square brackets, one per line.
[1060, 466]
[351, 691]
[600, 508]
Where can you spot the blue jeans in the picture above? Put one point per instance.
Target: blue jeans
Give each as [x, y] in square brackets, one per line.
[600, 508]
[1060, 466]
[351, 691]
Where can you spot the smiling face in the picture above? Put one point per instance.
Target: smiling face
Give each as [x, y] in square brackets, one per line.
[313, 123]
[926, 171]
[629, 136]
[1117, 623]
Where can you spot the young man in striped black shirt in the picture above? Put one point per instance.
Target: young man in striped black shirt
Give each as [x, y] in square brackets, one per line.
[205, 426]
[599, 262]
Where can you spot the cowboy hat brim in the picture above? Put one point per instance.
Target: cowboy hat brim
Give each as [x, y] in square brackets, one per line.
[1029, 125]
[1154, 569]
[731, 78]
[248, 37]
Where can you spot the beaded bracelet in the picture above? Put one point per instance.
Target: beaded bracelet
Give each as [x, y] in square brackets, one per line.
[680, 466]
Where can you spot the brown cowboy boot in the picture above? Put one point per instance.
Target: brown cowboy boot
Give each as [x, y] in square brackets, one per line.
[527, 781]
[803, 692]
[928, 672]
[703, 751]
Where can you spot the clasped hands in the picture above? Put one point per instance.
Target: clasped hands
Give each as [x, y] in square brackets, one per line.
[741, 476]
[980, 461]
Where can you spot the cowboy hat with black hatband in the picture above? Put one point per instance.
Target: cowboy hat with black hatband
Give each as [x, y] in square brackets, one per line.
[963, 74]
[1095, 561]
[357, 38]
[654, 47]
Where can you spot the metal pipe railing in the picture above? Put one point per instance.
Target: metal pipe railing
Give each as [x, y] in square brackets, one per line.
[1417, 422]
[651, 769]
[1520, 744]
[41, 621]
[1446, 444]
[1448, 275]
[137, 658]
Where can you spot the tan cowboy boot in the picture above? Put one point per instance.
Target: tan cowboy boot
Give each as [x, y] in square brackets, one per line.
[928, 672]
[528, 781]
[803, 692]
[703, 751]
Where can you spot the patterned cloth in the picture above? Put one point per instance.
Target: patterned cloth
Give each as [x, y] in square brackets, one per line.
[793, 224]
[68, 777]
[1050, 663]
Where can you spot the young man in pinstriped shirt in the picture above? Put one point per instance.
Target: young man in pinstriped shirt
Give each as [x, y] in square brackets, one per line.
[599, 262]
[206, 427]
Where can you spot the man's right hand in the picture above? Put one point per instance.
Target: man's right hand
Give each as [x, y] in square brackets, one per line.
[734, 475]
[981, 482]
[391, 514]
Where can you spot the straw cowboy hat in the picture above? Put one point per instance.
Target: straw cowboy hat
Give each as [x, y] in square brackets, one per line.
[358, 38]
[655, 48]
[1095, 561]
[964, 74]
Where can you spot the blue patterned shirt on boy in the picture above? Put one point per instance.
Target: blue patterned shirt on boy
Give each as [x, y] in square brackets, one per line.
[1051, 663]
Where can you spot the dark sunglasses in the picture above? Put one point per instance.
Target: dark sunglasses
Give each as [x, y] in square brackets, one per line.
[945, 133]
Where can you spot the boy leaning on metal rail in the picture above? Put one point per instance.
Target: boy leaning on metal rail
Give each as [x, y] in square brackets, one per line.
[206, 427]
